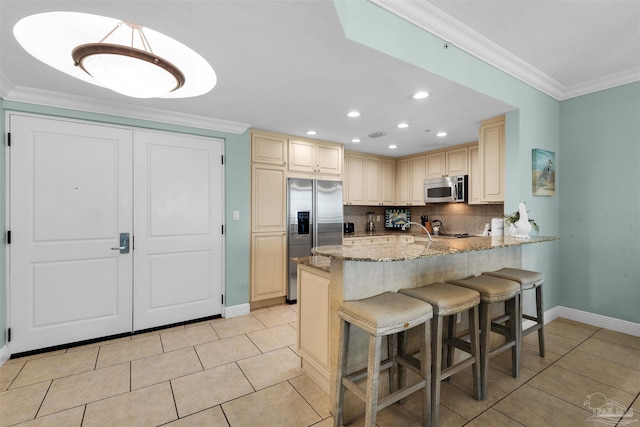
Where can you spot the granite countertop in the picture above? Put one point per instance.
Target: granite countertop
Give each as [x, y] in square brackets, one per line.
[316, 261]
[438, 247]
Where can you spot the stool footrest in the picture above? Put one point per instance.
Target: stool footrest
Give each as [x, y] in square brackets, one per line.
[501, 319]
[529, 317]
[410, 362]
[361, 374]
[531, 329]
[501, 329]
[446, 373]
[460, 344]
[400, 394]
[501, 348]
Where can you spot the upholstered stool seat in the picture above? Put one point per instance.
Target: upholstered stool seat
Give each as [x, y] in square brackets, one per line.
[447, 301]
[496, 290]
[382, 315]
[528, 280]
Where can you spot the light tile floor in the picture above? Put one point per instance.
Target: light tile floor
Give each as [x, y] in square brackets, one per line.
[245, 372]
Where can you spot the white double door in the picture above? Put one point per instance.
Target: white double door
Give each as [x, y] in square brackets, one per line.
[73, 189]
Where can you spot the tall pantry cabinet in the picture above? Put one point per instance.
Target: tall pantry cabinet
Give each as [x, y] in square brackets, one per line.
[268, 227]
[274, 158]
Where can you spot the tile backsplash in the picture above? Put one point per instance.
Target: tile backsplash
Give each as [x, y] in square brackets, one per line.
[455, 217]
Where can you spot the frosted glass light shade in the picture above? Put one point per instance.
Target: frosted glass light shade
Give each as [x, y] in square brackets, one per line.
[51, 37]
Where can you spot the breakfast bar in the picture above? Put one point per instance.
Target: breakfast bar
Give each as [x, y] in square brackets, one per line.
[341, 273]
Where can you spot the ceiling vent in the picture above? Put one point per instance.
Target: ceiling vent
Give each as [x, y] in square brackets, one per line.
[377, 134]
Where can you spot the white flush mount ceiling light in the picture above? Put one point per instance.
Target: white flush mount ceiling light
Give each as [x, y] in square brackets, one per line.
[403, 125]
[353, 114]
[420, 95]
[312, 132]
[441, 134]
[393, 147]
[118, 55]
[355, 140]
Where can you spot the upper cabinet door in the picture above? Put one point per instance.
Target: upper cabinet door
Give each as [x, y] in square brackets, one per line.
[456, 161]
[491, 150]
[329, 159]
[322, 159]
[302, 156]
[268, 149]
[435, 165]
[417, 173]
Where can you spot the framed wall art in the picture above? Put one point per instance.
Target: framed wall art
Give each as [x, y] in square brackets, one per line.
[543, 172]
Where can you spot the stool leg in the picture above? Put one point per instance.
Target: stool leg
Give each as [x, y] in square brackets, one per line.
[449, 349]
[485, 348]
[425, 372]
[475, 352]
[540, 319]
[515, 332]
[343, 352]
[436, 367]
[373, 373]
[396, 368]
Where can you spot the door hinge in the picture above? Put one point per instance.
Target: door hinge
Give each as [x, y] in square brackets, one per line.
[9, 139]
[9, 335]
[222, 159]
[222, 228]
[8, 237]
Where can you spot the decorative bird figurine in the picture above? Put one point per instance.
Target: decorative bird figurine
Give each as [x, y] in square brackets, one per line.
[522, 227]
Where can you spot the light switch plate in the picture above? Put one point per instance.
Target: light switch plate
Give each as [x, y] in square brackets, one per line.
[236, 215]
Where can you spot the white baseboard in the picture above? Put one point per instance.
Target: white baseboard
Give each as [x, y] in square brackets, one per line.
[4, 354]
[236, 310]
[598, 320]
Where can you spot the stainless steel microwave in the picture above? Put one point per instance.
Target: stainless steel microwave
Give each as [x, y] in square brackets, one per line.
[447, 189]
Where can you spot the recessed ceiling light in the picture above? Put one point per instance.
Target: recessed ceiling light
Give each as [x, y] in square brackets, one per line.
[393, 146]
[353, 114]
[312, 132]
[441, 134]
[420, 95]
[355, 140]
[403, 125]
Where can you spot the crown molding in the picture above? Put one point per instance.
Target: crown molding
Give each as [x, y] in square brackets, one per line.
[5, 85]
[622, 78]
[429, 18]
[93, 105]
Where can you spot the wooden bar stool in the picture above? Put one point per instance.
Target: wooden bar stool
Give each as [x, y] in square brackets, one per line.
[496, 290]
[528, 280]
[382, 315]
[447, 301]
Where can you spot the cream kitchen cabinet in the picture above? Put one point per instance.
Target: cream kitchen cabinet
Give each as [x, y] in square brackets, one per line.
[319, 158]
[313, 324]
[456, 162]
[474, 177]
[379, 179]
[417, 174]
[354, 182]
[268, 198]
[410, 178]
[491, 156]
[268, 148]
[351, 241]
[369, 180]
[387, 182]
[268, 265]
[436, 166]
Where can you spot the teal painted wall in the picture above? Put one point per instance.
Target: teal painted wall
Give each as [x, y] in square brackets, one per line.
[533, 123]
[600, 209]
[237, 191]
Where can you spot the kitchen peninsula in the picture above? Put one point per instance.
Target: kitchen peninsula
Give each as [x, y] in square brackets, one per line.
[338, 273]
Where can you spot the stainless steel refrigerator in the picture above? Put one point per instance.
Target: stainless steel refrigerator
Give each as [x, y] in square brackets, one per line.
[315, 219]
